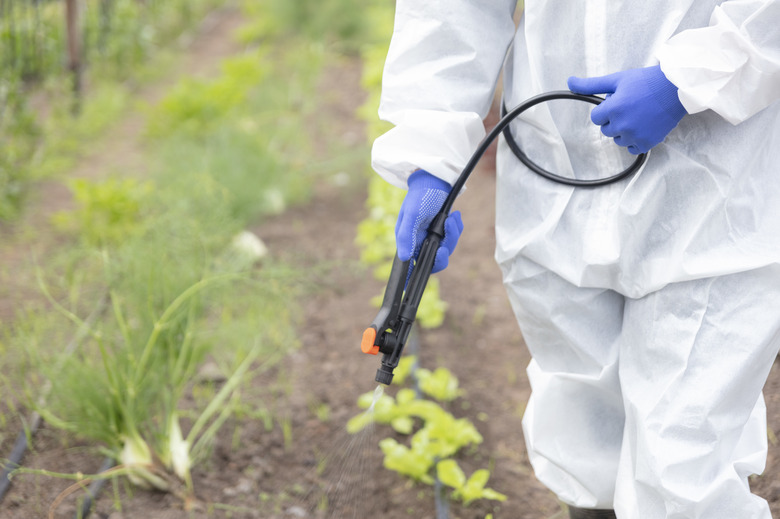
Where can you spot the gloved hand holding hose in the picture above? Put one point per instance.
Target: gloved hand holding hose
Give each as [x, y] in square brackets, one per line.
[641, 107]
[424, 199]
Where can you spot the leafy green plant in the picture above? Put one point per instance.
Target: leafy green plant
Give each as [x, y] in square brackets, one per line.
[126, 386]
[439, 437]
[467, 490]
[415, 462]
[441, 384]
[195, 106]
[107, 212]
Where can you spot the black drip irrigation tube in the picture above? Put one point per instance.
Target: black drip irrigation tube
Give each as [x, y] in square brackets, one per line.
[440, 498]
[439, 490]
[94, 490]
[15, 459]
[28, 431]
[17, 453]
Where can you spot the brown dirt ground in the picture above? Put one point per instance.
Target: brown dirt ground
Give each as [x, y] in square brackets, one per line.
[259, 473]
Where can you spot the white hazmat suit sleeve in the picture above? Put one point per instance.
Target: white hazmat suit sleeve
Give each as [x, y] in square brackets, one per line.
[731, 67]
[440, 75]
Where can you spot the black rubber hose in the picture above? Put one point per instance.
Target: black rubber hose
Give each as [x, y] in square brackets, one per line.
[94, 490]
[440, 498]
[503, 124]
[17, 453]
[549, 175]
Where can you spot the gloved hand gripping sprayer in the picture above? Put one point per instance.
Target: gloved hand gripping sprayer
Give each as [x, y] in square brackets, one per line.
[390, 328]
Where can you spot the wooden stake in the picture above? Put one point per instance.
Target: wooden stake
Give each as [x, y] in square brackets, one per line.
[74, 50]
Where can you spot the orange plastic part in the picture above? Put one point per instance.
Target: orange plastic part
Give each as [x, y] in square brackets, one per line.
[367, 344]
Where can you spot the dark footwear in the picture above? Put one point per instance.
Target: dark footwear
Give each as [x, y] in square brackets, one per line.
[589, 513]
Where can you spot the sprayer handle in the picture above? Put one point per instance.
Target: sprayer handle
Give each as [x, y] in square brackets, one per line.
[388, 312]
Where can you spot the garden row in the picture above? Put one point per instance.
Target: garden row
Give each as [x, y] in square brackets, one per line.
[161, 306]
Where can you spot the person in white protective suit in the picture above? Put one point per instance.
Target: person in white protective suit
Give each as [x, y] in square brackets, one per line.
[650, 306]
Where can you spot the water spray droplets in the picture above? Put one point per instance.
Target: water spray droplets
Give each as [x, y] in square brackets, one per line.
[378, 392]
[344, 474]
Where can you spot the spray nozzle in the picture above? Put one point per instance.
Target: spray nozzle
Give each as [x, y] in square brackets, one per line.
[384, 375]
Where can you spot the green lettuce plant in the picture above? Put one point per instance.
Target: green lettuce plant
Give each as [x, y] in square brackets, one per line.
[467, 490]
[435, 434]
[440, 384]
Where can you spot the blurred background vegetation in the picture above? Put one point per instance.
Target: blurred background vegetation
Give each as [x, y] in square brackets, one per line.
[65, 58]
[151, 273]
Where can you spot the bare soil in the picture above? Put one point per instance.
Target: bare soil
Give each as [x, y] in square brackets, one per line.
[285, 468]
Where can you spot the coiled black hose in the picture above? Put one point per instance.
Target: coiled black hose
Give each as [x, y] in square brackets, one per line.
[503, 127]
[563, 94]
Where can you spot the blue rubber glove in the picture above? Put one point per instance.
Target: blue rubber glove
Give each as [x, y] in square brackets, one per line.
[641, 107]
[424, 199]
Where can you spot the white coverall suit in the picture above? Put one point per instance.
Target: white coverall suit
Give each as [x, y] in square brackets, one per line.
[651, 306]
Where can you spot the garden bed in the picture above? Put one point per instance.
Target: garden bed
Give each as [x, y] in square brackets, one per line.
[256, 475]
